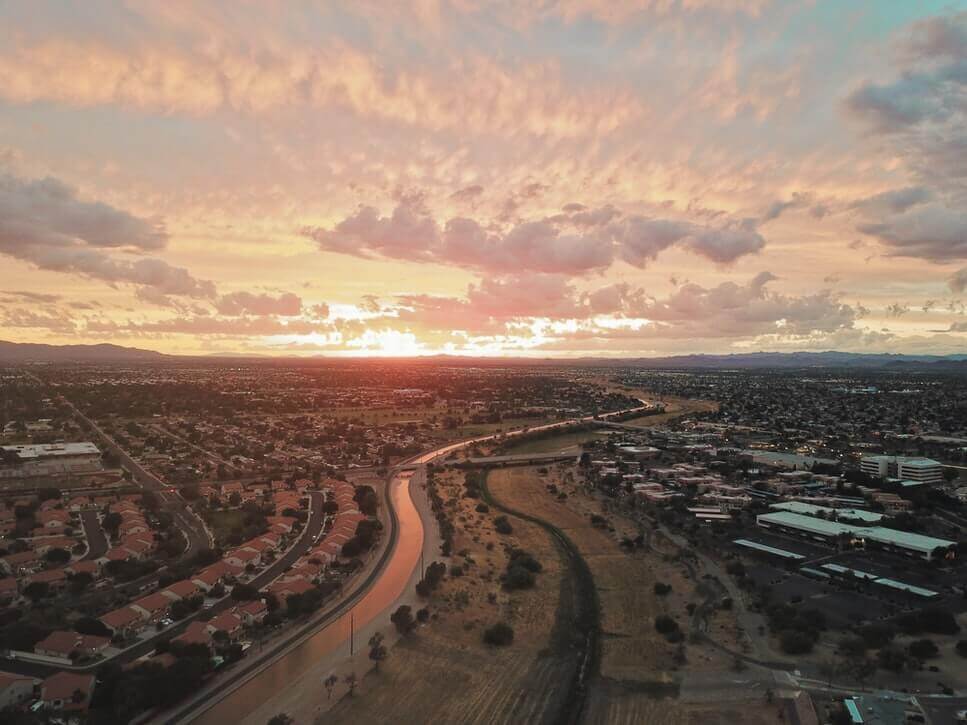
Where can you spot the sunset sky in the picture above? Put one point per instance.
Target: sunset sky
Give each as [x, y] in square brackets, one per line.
[583, 177]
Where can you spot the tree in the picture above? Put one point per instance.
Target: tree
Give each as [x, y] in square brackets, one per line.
[403, 619]
[281, 719]
[36, 590]
[499, 635]
[502, 525]
[377, 651]
[90, 625]
[57, 556]
[330, 683]
[244, 593]
[350, 681]
[923, 649]
[81, 581]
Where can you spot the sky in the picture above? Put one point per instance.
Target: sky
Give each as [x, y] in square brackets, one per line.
[549, 179]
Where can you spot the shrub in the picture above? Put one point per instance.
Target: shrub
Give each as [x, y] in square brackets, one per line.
[519, 557]
[483, 508]
[665, 624]
[502, 525]
[661, 589]
[518, 577]
[499, 635]
[403, 619]
[923, 649]
[795, 642]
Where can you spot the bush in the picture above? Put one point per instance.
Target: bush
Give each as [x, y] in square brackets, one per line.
[661, 589]
[483, 508]
[923, 649]
[518, 577]
[499, 635]
[502, 525]
[665, 624]
[795, 642]
[403, 619]
[519, 557]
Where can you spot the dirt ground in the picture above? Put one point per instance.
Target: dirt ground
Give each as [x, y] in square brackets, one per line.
[443, 672]
[640, 669]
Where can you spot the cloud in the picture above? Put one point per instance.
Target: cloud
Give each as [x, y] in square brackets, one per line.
[42, 297]
[246, 303]
[226, 74]
[43, 222]
[577, 241]
[930, 231]
[958, 281]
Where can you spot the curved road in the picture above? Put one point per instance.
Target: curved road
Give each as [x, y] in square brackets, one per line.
[255, 683]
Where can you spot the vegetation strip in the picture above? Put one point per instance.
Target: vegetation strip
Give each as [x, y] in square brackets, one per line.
[588, 619]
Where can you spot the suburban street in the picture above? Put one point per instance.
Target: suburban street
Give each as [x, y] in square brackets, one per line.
[97, 543]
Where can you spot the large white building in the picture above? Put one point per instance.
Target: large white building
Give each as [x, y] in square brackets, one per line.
[921, 470]
[49, 459]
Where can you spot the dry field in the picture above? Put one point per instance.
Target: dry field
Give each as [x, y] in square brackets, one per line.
[444, 673]
[640, 670]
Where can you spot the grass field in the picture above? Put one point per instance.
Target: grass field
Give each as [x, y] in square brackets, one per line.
[557, 443]
[222, 523]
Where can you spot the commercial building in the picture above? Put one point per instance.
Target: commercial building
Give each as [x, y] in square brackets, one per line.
[49, 459]
[819, 529]
[921, 470]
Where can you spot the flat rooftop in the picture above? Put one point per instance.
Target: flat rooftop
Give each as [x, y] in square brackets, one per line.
[33, 451]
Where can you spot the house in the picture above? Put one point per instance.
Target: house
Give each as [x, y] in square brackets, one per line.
[153, 607]
[20, 564]
[284, 590]
[16, 689]
[227, 622]
[212, 575]
[55, 579]
[183, 589]
[84, 567]
[196, 633]
[253, 612]
[8, 589]
[67, 691]
[53, 518]
[242, 557]
[65, 644]
[124, 621]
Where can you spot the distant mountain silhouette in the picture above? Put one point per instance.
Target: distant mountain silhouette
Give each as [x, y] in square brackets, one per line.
[35, 352]
[14, 352]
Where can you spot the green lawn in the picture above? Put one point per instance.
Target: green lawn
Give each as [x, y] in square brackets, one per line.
[222, 523]
[556, 443]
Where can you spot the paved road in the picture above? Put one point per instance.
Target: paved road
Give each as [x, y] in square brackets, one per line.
[185, 519]
[304, 543]
[97, 544]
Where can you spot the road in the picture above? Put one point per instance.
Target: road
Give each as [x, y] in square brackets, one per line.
[97, 544]
[233, 699]
[190, 524]
[303, 544]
